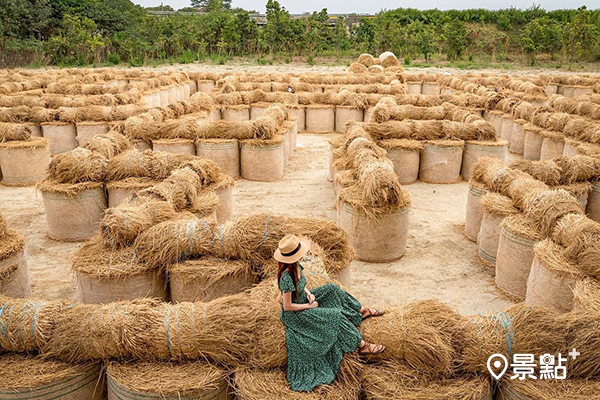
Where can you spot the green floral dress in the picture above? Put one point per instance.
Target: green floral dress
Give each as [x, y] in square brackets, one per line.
[317, 338]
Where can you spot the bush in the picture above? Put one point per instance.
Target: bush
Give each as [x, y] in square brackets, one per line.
[113, 58]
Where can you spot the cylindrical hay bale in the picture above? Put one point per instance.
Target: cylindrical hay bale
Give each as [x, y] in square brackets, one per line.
[122, 191]
[146, 101]
[299, 112]
[86, 131]
[236, 113]
[430, 88]
[24, 163]
[102, 290]
[496, 120]
[495, 208]
[286, 147]
[257, 110]
[475, 149]
[405, 154]
[552, 147]
[224, 191]
[515, 255]
[320, 118]
[441, 161]
[205, 86]
[73, 212]
[568, 90]
[571, 147]
[166, 381]
[187, 90]
[224, 152]
[215, 115]
[552, 278]
[62, 136]
[193, 87]
[579, 190]
[593, 205]
[517, 138]
[175, 146]
[474, 210]
[164, 97]
[551, 89]
[414, 87]
[206, 279]
[293, 132]
[156, 102]
[262, 160]
[581, 90]
[343, 114]
[380, 240]
[14, 275]
[532, 149]
[173, 94]
[507, 127]
[368, 114]
[27, 377]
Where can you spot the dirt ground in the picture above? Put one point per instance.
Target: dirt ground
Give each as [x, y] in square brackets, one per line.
[439, 263]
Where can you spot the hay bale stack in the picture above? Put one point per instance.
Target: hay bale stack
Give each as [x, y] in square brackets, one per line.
[394, 380]
[24, 162]
[441, 161]
[366, 59]
[28, 376]
[11, 132]
[14, 274]
[580, 237]
[357, 68]
[262, 160]
[206, 279]
[166, 381]
[147, 164]
[548, 207]
[109, 145]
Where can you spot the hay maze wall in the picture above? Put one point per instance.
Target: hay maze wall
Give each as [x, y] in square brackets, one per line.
[141, 166]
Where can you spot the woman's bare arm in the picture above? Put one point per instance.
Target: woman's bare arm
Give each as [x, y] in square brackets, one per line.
[288, 305]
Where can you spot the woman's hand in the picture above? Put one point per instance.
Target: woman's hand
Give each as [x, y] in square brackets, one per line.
[310, 297]
[314, 304]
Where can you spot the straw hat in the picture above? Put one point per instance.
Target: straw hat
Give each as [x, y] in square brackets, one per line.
[291, 249]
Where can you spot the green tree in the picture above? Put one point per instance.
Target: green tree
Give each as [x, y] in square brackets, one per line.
[579, 35]
[541, 35]
[212, 5]
[455, 34]
[77, 43]
[423, 38]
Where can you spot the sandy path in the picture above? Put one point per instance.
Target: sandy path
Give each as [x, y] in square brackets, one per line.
[439, 263]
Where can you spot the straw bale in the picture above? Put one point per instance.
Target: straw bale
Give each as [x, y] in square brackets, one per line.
[168, 380]
[578, 168]
[254, 238]
[366, 59]
[546, 171]
[586, 295]
[78, 165]
[357, 68]
[426, 335]
[522, 188]
[583, 334]
[256, 384]
[389, 61]
[517, 329]
[71, 190]
[580, 237]
[147, 164]
[550, 206]
[121, 225]
[109, 145]
[209, 270]
[394, 380]
[10, 132]
[498, 205]
[180, 189]
[27, 323]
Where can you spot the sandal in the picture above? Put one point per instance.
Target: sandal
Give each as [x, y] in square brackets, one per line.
[372, 312]
[371, 348]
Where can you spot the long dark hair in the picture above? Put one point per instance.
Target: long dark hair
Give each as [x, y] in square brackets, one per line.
[293, 270]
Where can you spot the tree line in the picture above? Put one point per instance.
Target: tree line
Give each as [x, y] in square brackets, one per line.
[96, 32]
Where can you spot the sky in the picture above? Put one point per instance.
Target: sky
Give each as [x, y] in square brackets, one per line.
[373, 6]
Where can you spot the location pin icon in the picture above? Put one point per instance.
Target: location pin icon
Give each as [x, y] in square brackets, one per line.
[497, 362]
